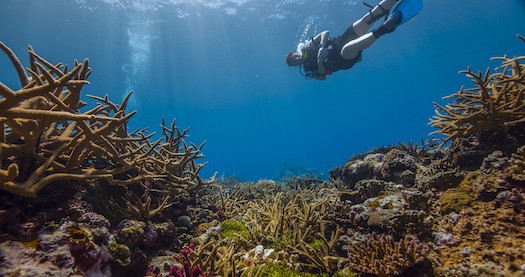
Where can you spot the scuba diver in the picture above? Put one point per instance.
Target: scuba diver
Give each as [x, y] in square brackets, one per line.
[323, 55]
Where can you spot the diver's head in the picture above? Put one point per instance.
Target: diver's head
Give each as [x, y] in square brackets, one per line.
[294, 59]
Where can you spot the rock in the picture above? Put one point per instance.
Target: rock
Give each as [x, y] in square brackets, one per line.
[356, 170]
[130, 232]
[185, 221]
[394, 167]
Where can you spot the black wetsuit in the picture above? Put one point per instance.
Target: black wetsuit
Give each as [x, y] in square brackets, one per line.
[334, 61]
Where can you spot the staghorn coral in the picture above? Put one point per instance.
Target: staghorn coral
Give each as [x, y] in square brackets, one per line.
[214, 257]
[141, 207]
[281, 219]
[422, 152]
[296, 223]
[381, 255]
[45, 138]
[300, 226]
[495, 102]
[321, 257]
[229, 201]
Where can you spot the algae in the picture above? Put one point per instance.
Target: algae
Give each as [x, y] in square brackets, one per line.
[231, 227]
[281, 243]
[456, 199]
[276, 270]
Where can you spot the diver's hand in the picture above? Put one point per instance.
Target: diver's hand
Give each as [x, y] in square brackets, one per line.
[317, 76]
[322, 54]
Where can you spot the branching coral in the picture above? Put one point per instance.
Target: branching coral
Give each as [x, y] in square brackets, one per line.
[422, 152]
[300, 226]
[45, 138]
[381, 255]
[297, 224]
[230, 201]
[321, 258]
[495, 102]
[219, 257]
[276, 220]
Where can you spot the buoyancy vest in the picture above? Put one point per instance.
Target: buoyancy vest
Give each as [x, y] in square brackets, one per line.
[334, 61]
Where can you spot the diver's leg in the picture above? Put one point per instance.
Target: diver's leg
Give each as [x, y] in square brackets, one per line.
[362, 25]
[351, 49]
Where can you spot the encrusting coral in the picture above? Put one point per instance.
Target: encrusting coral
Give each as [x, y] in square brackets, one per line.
[518, 165]
[46, 138]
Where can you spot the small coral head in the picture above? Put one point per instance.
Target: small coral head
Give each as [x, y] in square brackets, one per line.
[185, 252]
[197, 272]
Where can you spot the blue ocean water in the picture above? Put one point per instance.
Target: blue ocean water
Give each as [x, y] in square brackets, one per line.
[218, 67]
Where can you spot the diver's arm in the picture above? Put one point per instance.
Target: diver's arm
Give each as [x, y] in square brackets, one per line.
[321, 39]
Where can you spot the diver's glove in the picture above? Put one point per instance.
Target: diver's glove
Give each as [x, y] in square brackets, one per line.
[322, 53]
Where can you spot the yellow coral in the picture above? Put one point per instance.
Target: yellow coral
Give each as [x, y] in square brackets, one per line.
[10, 174]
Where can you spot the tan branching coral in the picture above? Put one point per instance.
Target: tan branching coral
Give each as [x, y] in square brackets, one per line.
[495, 102]
[46, 138]
[300, 226]
[321, 258]
[276, 220]
[142, 207]
[230, 201]
[381, 255]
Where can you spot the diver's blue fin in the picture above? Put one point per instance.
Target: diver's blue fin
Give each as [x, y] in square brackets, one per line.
[404, 11]
[407, 9]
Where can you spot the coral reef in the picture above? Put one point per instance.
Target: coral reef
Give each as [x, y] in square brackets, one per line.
[105, 202]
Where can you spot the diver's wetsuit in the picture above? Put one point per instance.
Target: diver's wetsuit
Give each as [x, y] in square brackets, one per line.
[334, 61]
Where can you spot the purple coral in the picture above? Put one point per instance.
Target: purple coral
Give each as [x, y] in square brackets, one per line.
[381, 255]
[184, 259]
